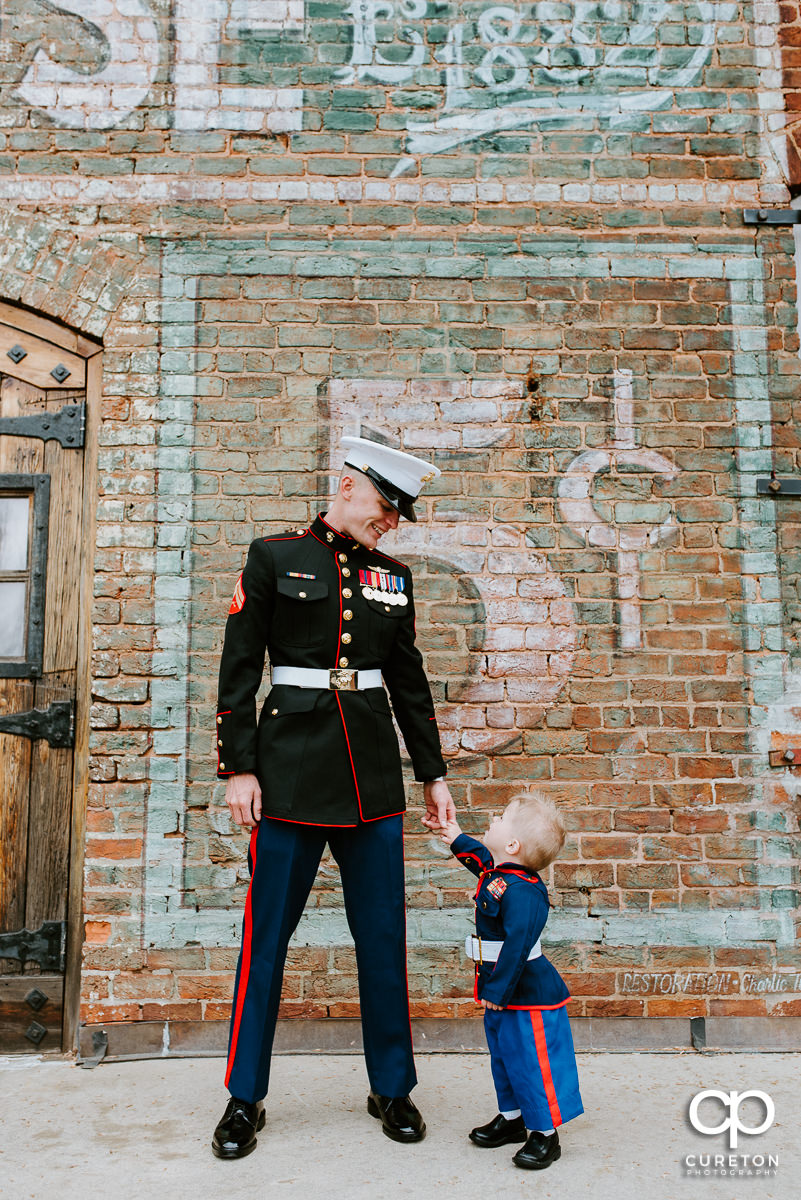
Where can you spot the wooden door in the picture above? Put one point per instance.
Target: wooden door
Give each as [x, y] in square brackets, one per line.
[43, 371]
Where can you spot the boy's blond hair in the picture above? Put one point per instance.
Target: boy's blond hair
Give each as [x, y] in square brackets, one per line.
[539, 829]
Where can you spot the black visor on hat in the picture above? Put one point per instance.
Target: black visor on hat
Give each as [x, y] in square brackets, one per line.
[400, 500]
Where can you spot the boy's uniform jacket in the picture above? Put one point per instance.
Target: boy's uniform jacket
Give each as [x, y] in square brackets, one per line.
[512, 907]
[324, 757]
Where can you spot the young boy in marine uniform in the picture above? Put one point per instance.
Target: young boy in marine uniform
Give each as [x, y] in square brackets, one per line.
[523, 995]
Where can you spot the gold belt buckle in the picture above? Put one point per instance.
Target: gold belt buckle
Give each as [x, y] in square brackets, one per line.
[342, 681]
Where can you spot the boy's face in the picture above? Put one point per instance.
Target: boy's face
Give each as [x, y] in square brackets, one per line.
[501, 839]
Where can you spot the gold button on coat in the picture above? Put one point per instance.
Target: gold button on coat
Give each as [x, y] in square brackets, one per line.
[342, 557]
[343, 662]
[275, 712]
[219, 720]
[222, 766]
[347, 593]
[302, 595]
[347, 614]
[346, 571]
[219, 743]
[346, 638]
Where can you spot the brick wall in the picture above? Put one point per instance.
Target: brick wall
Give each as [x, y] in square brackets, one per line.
[516, 246]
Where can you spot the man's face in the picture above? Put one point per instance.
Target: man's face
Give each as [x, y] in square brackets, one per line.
[368, 515]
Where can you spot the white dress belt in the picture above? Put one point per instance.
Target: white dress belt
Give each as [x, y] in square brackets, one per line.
[336, 680]
[482, 951]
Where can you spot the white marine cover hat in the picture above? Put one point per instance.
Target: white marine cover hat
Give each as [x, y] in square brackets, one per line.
[397, 476]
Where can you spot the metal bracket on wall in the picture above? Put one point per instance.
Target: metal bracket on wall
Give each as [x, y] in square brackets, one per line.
[785, 758]
[45, 945]
[772, 216]
[55, 724]
[778, 487]
[67, 426]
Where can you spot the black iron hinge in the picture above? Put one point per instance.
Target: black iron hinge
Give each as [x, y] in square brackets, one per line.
[55, 724]
[67, 426]
[45, 945]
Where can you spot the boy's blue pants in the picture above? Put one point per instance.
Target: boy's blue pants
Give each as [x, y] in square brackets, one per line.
[534, 1064]
[283, 860]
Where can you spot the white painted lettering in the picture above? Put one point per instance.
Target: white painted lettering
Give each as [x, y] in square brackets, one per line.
[106, 98]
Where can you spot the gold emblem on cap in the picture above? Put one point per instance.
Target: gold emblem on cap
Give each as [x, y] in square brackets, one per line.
[427, 478]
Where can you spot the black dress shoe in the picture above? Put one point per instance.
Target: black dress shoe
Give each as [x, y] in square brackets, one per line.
[540, 1150]
[499, 1132]
[399, 1117]
[235, 1136]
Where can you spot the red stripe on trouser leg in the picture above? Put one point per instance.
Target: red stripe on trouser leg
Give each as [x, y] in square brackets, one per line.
[247, 935]
[545, 1066]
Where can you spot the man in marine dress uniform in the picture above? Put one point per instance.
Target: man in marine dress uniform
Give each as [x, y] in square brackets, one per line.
[322, 765]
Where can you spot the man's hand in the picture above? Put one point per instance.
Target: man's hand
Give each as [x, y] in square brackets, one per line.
[243, 797]
[494, 1007]
[439, 805]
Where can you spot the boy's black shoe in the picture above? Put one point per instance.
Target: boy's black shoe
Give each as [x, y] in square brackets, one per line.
[540, 1150]
[399, 1117]
[235, 1136]
[499, 1132]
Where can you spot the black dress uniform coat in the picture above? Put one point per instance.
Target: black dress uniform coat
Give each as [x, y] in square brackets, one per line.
[323, 757]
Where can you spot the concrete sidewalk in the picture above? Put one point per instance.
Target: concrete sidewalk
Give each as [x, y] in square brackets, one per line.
[141, 1130]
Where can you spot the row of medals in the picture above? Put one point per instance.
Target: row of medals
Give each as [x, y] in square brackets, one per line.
[371, 593]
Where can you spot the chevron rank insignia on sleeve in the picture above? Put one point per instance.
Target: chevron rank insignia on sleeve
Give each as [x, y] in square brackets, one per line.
[238, 602]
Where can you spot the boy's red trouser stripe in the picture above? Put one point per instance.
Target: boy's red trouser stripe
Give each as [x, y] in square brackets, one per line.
[545, 1066]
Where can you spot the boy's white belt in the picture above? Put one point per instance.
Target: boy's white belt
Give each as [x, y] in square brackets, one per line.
[337, 680]
[481, 951]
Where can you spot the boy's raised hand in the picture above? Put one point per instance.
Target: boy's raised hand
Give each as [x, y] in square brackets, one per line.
[450, 831]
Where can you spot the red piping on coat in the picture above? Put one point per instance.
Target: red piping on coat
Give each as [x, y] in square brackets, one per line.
[350, 755]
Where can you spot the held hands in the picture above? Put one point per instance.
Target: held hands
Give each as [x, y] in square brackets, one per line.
[243, 797]
[439, 805]
[450, 832]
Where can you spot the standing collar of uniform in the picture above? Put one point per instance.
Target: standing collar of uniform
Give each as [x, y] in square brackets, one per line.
[332, 538]
[515, 868]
